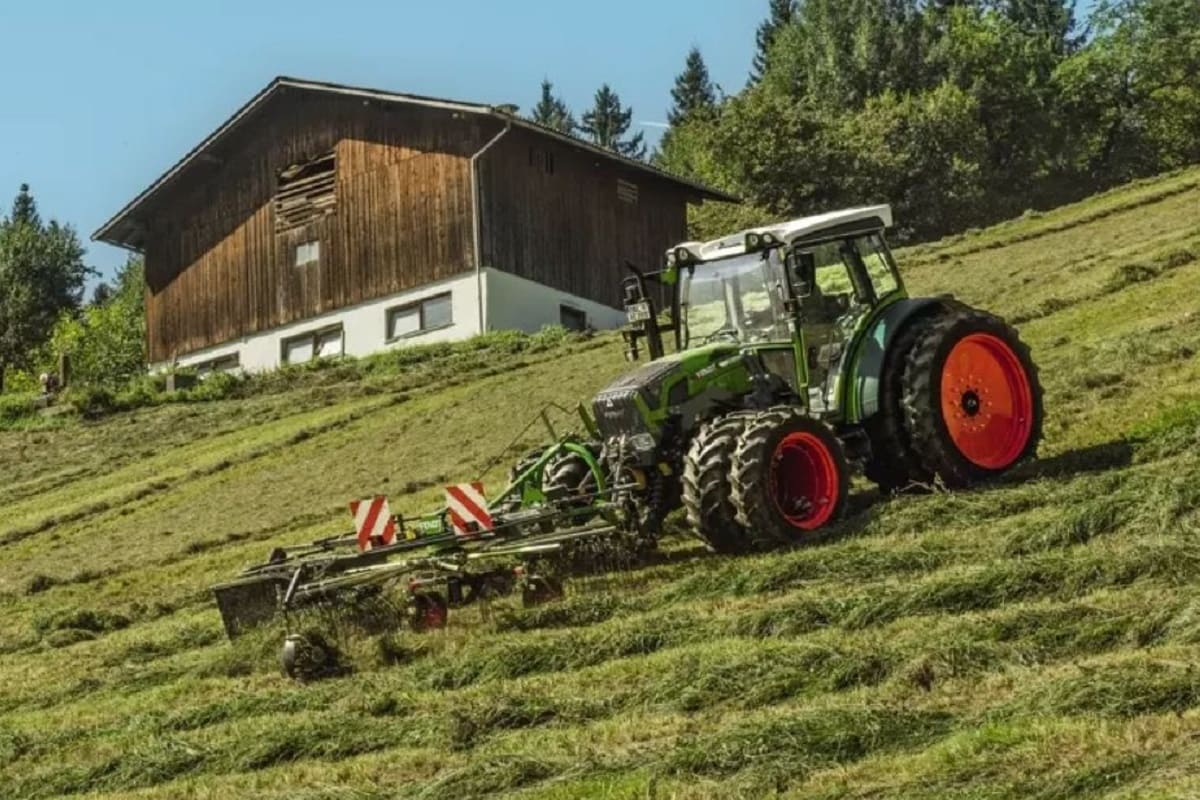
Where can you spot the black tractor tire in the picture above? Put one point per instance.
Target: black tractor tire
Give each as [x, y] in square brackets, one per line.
[569, 480]
[894, 465]
[706, 486]
[994, 440]
[790, 477]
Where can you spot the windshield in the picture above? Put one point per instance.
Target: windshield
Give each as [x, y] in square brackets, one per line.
[735, 298]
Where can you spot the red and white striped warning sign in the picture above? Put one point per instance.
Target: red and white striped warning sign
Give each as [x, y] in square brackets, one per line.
[468, 508]
[373, 522]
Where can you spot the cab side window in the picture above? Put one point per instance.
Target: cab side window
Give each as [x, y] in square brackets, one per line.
[832, 290]
[874, 255]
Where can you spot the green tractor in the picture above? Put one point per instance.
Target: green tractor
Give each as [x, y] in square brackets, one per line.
[797, 354]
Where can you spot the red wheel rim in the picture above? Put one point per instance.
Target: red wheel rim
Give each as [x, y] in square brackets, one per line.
[804, 480]
[987, 402]
[433, 616]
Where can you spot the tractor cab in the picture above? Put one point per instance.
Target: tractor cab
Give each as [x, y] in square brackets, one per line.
[796, 293]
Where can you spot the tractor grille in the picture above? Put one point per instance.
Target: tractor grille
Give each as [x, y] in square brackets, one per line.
[617, 412]
[615, 407]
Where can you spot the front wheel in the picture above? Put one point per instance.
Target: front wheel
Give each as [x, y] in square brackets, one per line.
[789, 477]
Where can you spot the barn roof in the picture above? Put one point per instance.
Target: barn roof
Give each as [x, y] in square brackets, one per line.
[124, 229]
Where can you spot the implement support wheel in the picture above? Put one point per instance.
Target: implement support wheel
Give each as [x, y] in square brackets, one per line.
[428, 611]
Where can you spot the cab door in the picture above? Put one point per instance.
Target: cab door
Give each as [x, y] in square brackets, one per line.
[831, 311]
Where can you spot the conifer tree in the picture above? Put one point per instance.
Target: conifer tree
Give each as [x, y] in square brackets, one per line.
[552, 112]
[607, 123]
[780, 14]
[24, 209]
[693, 93]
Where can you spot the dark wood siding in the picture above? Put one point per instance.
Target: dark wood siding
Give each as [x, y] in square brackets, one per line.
[567, 228]
[216, 269]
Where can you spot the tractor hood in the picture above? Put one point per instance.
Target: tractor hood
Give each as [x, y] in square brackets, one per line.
[633, 402]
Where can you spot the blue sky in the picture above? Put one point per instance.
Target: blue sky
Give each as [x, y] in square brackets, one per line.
[98, 99]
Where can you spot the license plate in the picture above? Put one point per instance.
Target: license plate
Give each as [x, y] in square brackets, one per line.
[638, 312]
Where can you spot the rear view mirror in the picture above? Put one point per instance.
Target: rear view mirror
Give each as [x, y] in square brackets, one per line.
[804, 273]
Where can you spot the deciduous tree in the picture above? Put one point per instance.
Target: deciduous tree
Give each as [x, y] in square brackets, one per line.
[41, 274]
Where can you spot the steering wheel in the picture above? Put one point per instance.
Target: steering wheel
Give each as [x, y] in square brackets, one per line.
[838, 302]
[718, 333]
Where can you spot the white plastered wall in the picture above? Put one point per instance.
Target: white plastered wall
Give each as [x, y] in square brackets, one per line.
[521, 304]
[512, 303]
[364, 327]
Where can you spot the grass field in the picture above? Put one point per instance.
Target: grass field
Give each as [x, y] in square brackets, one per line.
[1039, 638]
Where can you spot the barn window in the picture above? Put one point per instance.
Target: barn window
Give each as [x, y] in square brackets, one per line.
[305, 192]
[226, 363]
[425, 315]
[308, 253]
[572, 318]
[321, 343]
[627, 191]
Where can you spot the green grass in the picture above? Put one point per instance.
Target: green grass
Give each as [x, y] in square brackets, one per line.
[1033, 638]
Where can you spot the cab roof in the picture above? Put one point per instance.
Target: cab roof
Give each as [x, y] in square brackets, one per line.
[833, 223]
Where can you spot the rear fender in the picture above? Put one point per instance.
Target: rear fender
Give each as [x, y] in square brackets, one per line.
[870, 361]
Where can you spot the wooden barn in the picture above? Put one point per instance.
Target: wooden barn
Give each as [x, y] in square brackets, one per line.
[322, 220]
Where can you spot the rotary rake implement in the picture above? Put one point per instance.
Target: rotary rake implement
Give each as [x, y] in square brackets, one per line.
[567, 507]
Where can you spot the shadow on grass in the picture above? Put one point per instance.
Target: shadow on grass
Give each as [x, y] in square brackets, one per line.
[1096, 458]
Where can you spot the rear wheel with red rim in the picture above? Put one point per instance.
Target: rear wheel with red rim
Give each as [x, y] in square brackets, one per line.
[987, 402]
[789, 476]
[972, 400]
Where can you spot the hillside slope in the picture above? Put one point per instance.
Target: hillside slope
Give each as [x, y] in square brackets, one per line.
[1035, 638]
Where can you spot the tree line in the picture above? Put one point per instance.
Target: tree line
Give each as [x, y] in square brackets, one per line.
[958, 112]
[42, 308]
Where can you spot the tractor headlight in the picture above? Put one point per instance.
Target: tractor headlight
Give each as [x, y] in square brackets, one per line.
[642, 444]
